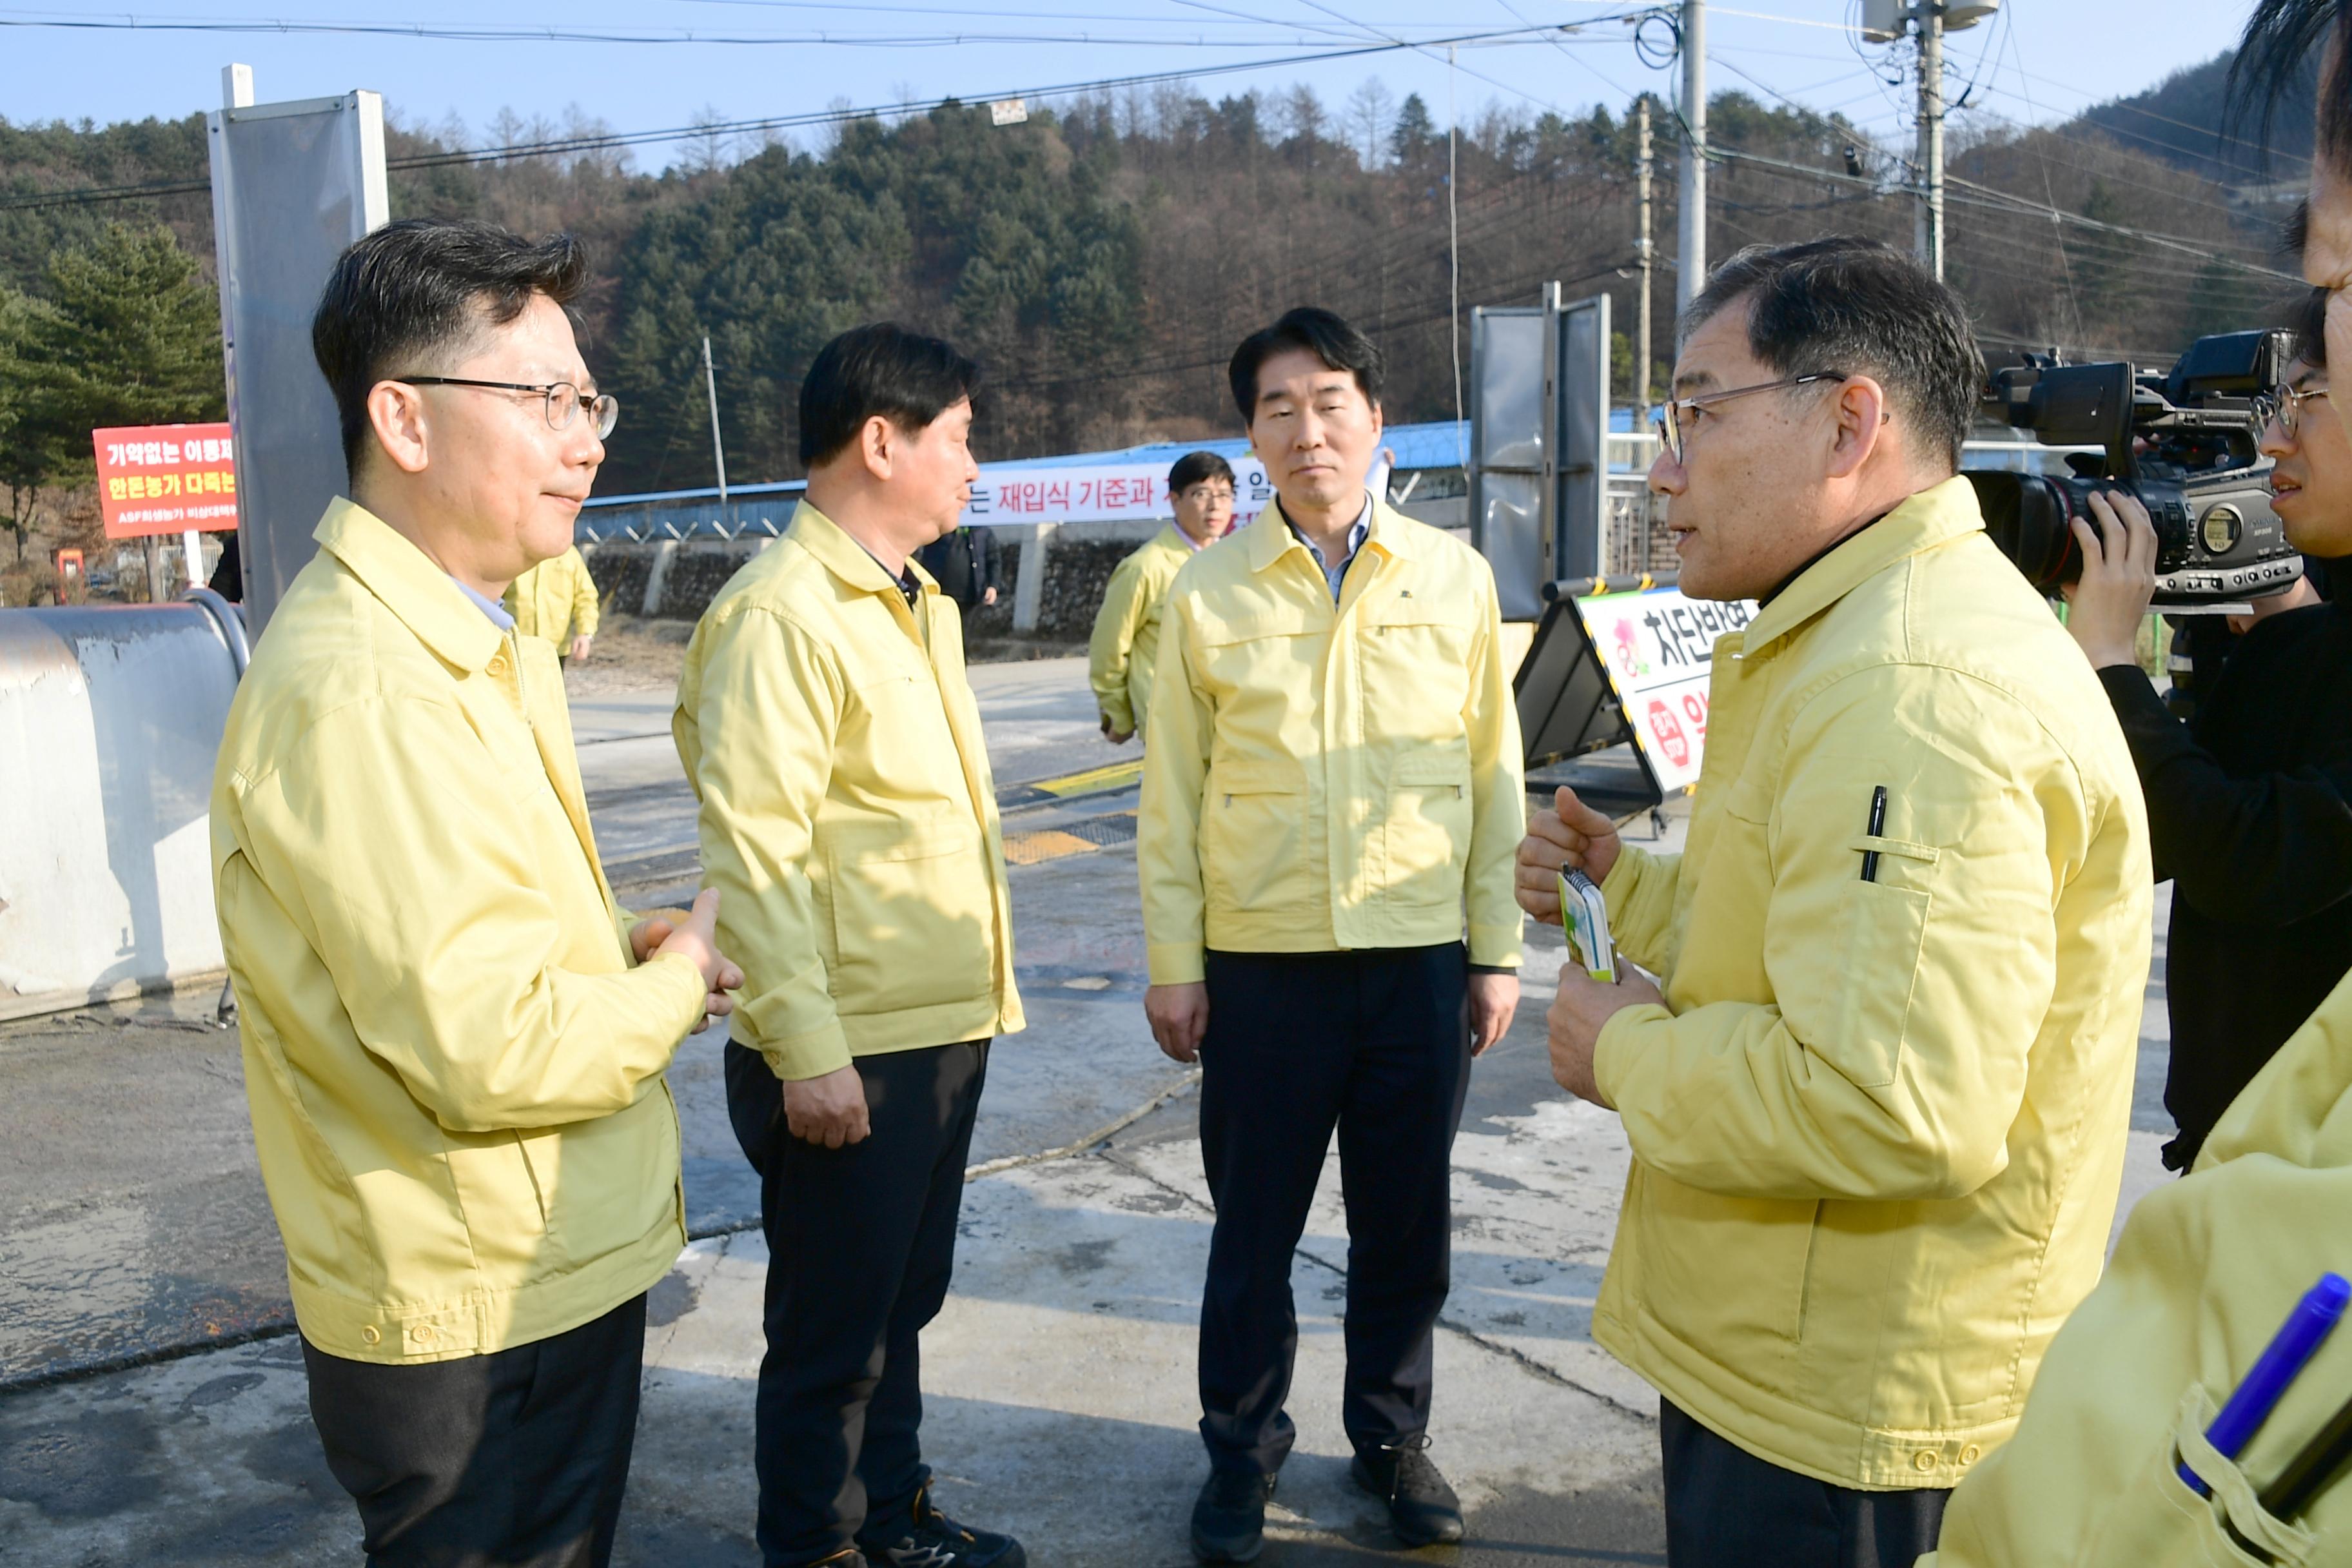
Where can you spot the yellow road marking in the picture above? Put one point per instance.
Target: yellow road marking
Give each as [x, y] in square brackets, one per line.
[1093, 781]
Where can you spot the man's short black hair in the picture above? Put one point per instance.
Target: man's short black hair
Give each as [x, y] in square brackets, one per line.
[1322, 333]
[2267, 71]
[1197, 467]
[1854, 305]
[2308, 322]
[410, 298]
[880, 368]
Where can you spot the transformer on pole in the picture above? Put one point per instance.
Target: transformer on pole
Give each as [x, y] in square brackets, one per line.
[1888, 21]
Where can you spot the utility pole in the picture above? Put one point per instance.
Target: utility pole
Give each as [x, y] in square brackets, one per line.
[1928, 233]
[1691, 267]
[1646, 249]
[718, 451]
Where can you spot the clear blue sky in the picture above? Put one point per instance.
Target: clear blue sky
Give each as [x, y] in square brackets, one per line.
[2045, 60]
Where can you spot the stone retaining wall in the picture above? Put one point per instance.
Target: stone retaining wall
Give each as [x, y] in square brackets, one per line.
[1078, 558]
[1078, 564]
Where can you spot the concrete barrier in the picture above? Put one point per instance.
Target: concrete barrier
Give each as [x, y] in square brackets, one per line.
[111, 717]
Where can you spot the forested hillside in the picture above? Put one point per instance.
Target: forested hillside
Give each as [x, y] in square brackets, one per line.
[1104, 257]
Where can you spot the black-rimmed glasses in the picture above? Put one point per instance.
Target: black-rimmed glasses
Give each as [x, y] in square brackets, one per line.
[1674, 416]
[563, 399]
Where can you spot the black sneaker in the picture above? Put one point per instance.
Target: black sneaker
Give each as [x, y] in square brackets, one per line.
[1422, 1510]
[932, 1539]
[1229, 1516]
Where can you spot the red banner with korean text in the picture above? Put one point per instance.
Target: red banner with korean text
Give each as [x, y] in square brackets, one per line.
[166, 478]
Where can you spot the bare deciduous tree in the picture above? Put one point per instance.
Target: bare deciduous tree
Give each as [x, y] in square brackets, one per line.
[1372, 112]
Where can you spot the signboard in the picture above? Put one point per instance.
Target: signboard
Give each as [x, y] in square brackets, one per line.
[1096, 493]
[293, 185]
[166, 478]
[1658, 648]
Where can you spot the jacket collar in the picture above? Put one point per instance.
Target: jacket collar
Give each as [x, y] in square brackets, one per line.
[1270, 538]
[1933, 518]
[426, 599]
[847, 558]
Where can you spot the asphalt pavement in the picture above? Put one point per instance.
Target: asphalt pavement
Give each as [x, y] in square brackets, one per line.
[152, 1402]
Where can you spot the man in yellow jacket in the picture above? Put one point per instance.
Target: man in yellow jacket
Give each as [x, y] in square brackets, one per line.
[1120, 658]
[1879, 1114]
[848, 816]
[1330, 800]
[555, 601]
[454, 1042]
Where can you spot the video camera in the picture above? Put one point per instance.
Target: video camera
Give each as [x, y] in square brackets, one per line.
[2184, 442]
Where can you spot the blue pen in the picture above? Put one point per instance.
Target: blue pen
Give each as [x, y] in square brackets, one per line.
[2305, 1329]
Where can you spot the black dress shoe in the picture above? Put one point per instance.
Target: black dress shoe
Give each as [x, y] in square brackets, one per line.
[1422, 1510]
[929, 1539]
[1229, 1516]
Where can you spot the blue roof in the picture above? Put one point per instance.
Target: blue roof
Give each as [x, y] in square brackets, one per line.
[1439, 444]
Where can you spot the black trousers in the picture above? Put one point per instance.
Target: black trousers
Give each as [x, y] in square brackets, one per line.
[861, 1244]
[1727, 1509]
[514, 1459]
[1377, 1045]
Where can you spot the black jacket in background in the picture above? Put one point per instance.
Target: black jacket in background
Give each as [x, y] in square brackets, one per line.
[967, 564]
[2247, 806]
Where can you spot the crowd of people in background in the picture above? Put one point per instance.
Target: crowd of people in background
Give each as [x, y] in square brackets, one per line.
[1873, 1056]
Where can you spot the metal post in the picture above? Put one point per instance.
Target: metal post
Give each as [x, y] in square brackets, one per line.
[1928, 235]
[711, 385]
[1691, 275]
[1647, 250]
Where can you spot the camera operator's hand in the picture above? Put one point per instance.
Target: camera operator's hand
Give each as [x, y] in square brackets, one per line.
[2105, 609]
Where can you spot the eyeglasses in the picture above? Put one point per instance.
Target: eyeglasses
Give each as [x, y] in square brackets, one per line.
[1674, 416]
[2283, 405]
[563, 400]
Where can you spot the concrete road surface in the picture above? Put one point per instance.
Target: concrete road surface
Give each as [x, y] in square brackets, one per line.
[152, 1402]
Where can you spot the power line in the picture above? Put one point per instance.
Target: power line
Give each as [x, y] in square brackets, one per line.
[606, 142]
[534, 31]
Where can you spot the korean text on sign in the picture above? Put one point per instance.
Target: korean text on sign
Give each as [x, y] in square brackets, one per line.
[1660, 650]
[166, 478]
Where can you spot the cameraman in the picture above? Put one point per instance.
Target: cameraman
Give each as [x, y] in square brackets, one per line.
[2247, 803]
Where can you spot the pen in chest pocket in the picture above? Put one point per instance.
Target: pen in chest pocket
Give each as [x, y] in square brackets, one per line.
[1877, 826]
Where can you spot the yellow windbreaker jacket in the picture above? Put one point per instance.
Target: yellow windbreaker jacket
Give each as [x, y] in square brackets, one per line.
[555, 600]
[1879, 1126]
[848, 818]
[1323, 777]
[454, 1070]
[2207, 1269]
[1124, 647]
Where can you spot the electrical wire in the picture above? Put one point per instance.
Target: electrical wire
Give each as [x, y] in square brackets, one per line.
[607, 142]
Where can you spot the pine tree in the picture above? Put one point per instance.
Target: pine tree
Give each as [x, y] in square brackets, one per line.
[132, 337]
[1414, 132]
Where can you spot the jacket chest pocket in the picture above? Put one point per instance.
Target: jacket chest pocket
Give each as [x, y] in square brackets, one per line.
[1271, 654]
[1417, 661]
[903, 726]
[1254, 855]
[1426, 830]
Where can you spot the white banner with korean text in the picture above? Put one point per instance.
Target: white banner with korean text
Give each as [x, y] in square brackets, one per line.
[1096, 493]
[1659, 648]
